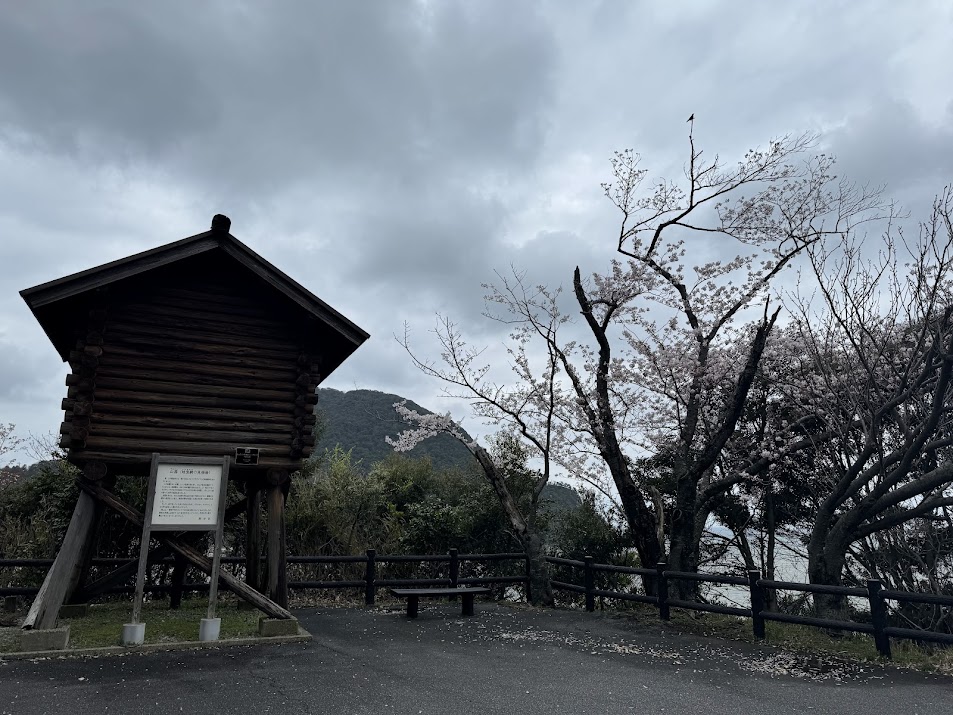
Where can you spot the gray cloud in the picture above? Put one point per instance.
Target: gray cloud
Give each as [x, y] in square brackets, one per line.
[391, 155]
[347, 96]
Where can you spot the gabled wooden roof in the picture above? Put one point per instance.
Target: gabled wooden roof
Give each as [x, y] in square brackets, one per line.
[49, 301]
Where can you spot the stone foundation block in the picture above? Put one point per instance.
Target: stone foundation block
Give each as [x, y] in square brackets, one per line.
[268, 627]
[50, 639]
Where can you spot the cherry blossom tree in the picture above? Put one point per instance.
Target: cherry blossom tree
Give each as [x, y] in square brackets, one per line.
[879, 374]
[526, 408]
[665, 355]
[773, 206]
[430, 425]
[9, 442]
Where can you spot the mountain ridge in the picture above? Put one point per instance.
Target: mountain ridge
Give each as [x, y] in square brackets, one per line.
[359, 420]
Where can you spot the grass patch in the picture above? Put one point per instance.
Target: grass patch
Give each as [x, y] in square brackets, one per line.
[804, 639]
[103, 626]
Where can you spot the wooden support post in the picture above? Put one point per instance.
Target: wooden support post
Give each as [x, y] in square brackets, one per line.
[253, 537]
[370, 575]
[67, 568]
[277, 560]
[454, 571]
[179, 569]
[879, 616]
[661, 590]
[589, 580]
[75, 588]
[757, 603]
[467, 604]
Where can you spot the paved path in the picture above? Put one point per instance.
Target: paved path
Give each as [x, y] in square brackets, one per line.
[504, 660]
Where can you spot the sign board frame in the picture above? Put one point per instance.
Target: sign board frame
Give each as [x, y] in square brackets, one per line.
[189, 463]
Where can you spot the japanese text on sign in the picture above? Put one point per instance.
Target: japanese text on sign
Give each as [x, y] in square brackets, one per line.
[187, 495]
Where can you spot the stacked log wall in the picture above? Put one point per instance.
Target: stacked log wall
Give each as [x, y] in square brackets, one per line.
[190, 371]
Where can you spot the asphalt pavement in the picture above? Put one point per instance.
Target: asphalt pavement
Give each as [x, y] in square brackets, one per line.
[503, 660]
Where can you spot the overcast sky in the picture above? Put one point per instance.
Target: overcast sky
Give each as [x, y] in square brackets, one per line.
[390, 155]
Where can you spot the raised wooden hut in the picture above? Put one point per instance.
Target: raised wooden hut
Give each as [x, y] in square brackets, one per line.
[198, 347]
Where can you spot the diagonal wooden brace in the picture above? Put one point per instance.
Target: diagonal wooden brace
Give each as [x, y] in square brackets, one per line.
[197, 559]
[124, 572]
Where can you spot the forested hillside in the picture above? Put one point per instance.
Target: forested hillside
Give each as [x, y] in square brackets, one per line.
[359, 420]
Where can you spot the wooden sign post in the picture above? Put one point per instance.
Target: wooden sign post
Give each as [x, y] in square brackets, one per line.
[185, 494]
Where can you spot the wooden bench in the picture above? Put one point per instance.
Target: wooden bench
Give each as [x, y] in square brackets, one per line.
[413, 596]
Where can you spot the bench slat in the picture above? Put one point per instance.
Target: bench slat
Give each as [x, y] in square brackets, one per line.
[439, 591]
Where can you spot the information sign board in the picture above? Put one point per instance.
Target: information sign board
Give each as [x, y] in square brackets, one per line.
[186, 496]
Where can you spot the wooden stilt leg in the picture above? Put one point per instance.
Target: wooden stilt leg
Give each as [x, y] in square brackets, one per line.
[179, 569]
[277, 585]
[253, 537]
[85, 558]
[283, 562]
[66, 570]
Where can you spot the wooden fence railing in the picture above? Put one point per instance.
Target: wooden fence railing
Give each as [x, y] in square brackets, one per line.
[370, 581]
[875, 594]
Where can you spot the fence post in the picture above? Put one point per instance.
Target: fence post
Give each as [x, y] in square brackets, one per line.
[661, 589]
[589, 581]
[878, 616]
[757, 603]
[454, 571]
[370, 575]
[529, 580]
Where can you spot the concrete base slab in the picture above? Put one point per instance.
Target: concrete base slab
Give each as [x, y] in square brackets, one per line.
[133, 633]
[209, 628]
[301, 637]
[49, 639]
[74, 610]
[268, 627]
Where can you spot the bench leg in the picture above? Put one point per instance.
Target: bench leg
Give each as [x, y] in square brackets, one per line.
[412, 606]
[467, 604]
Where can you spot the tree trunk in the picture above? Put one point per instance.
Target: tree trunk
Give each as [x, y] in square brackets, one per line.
[540, 589]
[683, 554]
[641, 521]
[825, 565]
[541, 592]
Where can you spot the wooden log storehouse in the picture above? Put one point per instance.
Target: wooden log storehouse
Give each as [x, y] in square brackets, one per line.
[198, 347]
